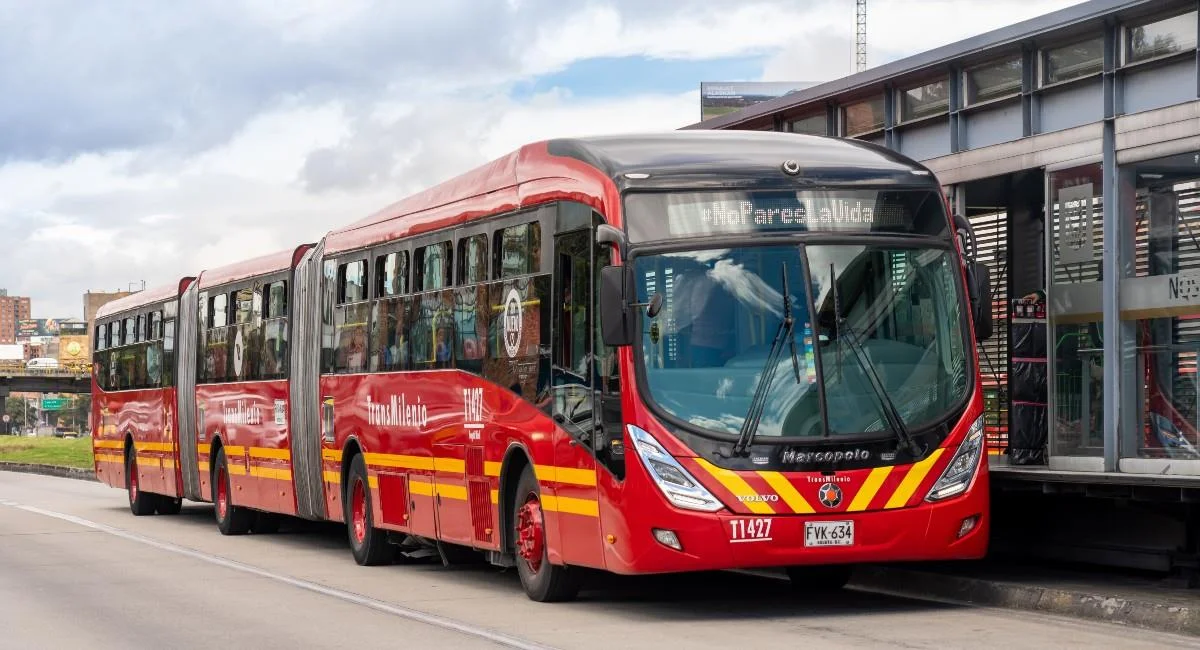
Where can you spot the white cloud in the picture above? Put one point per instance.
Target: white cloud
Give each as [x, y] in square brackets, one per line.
[203, 133]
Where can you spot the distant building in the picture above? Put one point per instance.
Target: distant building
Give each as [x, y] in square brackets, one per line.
[93, 301]
[13, 309]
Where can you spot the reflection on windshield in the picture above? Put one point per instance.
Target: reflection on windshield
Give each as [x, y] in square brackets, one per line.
[704, 352]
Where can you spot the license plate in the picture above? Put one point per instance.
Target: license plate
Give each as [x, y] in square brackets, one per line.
[829, 533]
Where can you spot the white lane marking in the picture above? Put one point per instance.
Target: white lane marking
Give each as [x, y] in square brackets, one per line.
[396, 610]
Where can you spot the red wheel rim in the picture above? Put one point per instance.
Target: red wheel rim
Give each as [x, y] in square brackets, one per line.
[358, 512]
[530, 533]
[133, 482]
[222, 495]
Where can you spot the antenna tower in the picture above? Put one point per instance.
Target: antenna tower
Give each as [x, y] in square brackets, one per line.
[860, 36]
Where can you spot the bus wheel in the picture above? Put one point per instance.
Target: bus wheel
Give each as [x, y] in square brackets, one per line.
[231, 519]
[543, 582]
[815, 579]
[169, 505]
[369, 544]
[140, 503]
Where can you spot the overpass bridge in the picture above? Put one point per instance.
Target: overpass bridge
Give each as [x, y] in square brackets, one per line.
[15, 378]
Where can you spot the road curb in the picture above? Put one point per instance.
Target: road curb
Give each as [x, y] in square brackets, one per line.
[48, 470]
[1157, 616]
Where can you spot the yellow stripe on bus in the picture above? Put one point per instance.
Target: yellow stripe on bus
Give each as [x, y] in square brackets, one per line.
[456, 492]
[449, 465]
[869, 489]
[738, 486]
[912, 480]
[424, 463]
[269, 452]
[569, 475]
[491, 468]
[571, 505]
[204, 447]
[787, 492]
[271, 472]
[108, 444]
[332, 477]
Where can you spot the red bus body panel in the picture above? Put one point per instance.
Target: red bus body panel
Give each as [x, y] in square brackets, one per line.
[245, 419]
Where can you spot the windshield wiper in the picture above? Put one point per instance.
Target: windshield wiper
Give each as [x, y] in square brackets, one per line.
[890, 412]
[759, 400]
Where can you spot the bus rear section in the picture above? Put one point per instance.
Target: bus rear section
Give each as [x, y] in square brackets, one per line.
[133, 399]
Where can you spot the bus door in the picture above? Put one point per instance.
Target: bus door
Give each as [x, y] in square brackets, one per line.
[574, 479]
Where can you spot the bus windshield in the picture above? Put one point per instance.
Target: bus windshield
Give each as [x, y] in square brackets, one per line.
[703, 353]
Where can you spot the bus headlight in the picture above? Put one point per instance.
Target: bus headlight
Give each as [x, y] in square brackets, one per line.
[957, 476]
[679, 486]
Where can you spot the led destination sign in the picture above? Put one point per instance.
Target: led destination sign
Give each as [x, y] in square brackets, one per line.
[806, 213]
[694, 214]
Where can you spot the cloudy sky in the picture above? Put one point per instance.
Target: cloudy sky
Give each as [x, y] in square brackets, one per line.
[147, 140]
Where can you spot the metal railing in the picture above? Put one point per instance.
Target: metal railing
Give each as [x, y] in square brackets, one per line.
[18, 369]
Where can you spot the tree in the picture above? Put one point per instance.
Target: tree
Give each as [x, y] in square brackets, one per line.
[14, 408]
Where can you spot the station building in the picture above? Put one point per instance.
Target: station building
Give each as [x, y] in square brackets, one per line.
[1072, 143]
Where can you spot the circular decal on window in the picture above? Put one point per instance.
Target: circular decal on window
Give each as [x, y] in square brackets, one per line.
[237, 353]
[512, 322]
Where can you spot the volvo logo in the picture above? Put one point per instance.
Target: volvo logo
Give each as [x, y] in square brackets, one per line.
[802, 457]
[744, 498]
[830, 495]
[790, 167]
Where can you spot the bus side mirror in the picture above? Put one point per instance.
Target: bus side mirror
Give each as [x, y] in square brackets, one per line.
[614, 312]
[980, 277]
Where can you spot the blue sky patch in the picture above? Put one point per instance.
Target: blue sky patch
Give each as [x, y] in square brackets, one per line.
[633, 75]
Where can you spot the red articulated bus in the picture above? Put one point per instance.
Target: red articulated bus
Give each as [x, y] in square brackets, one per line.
[641, 354]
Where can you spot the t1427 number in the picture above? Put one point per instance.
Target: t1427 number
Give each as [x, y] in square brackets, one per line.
[757, 529]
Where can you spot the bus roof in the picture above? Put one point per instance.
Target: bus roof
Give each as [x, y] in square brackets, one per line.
[149, 296]
[698, 159]
[262, 265]
[593, 169]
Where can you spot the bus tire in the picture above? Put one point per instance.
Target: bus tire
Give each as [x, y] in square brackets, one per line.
[169, 505]
[141, 503]
[231, 519]
[368, 544]
[543, 582]
[818, 579]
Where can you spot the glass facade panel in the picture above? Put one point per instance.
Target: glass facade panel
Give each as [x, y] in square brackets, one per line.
[863, 117]
[812, 125]
[1076, 335]
[925, 101]
[1161, 37]
[1163, 302]
[992, 81]
[1073, 61]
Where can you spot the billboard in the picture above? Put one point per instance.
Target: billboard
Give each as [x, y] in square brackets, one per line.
[720, 97]
[28, 327]
[73, 350]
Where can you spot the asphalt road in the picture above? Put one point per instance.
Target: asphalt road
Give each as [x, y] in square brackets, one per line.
[78, 570]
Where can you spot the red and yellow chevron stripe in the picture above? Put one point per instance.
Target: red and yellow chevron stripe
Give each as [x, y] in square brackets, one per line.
[777, 493]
